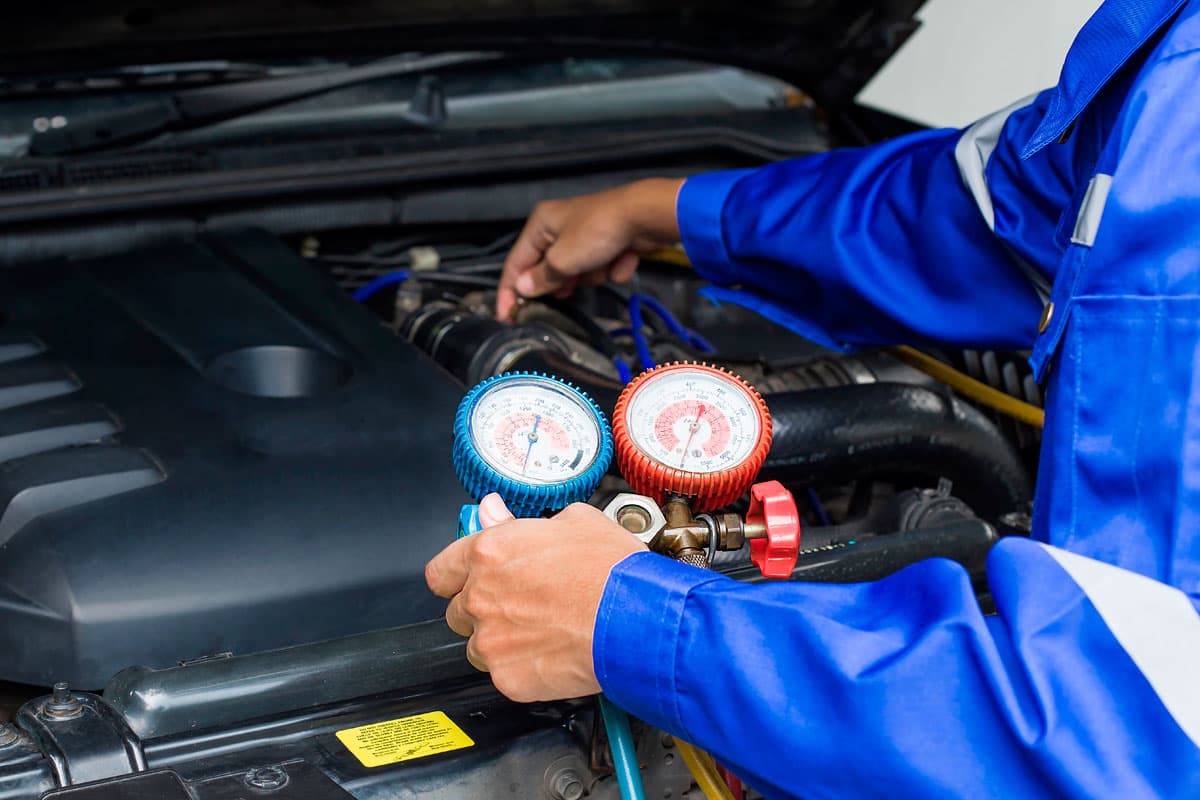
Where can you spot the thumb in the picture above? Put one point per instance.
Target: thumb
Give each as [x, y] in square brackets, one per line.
[493, 512]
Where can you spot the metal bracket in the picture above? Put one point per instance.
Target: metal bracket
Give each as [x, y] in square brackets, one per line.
[83, 737]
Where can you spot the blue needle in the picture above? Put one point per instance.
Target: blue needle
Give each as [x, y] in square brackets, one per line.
[537, 420]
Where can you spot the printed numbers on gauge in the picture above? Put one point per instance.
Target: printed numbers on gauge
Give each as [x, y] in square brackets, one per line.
[694, 420]
[535, 431]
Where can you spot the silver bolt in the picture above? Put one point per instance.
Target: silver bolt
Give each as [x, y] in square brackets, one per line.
[63, 704]
[8, 734]
[267, 778]
[1019, 520]
[566, 785]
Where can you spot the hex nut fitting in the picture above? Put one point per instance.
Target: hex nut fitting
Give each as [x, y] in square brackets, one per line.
[266, 779]
[566, 784]
[9, 734]
[637, 514]
[62, 704]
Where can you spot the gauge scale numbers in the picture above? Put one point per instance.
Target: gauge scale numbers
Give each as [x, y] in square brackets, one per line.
[695, 421]
[534, 432]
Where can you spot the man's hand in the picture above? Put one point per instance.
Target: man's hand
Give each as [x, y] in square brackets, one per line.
[526, 593]
[589, 239]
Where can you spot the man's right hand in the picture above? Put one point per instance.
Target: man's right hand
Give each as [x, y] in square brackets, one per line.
[589, 239]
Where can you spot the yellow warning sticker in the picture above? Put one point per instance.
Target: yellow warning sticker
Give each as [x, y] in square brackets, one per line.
[404, 739]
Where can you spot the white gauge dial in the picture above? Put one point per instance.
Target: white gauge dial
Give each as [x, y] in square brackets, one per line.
[694, 420]
[534, 431]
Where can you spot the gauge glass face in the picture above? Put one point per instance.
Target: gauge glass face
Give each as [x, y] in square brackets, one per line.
[693, 420]
[535, 431]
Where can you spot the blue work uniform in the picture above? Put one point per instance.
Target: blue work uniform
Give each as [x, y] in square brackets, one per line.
[1086, 683]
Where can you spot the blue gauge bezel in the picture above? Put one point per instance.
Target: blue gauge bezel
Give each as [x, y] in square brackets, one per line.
[526, 499]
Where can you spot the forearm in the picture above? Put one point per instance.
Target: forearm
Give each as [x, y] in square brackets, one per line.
[898, 688]
[649, 207]
[877, 245]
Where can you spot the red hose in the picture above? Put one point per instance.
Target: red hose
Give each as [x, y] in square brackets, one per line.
[733, 782]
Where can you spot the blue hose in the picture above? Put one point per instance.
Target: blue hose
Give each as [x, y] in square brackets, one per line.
[814, 501]
[673, 325]
[366, 290]
[689, 337]
[624, 755]
[622, 370]
[639, 341]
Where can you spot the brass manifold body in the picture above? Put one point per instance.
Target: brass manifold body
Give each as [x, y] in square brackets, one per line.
[672, 530]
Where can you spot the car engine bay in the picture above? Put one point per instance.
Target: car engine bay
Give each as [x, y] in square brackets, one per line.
[235, 350]
[206, 469]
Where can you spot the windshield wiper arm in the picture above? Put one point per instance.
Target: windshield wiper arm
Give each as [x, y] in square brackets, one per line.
[196, 108]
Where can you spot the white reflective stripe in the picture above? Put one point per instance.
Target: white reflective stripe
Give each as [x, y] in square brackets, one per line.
[972, 154]
[1156, 624]
[974, 150]
[1091, 210]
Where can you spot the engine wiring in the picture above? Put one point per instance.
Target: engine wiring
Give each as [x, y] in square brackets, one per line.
[478, 266]
[636, 324]
[364, 292]
[976, 390]
[462, 267]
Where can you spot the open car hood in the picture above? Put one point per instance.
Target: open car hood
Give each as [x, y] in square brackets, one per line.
[829, 48]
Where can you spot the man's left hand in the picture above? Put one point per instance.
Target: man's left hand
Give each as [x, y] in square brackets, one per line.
[526, 592]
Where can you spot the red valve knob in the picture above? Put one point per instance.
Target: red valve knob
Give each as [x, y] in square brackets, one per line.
[774, 508]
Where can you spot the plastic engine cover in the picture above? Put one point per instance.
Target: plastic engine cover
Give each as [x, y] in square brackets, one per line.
[206, 448]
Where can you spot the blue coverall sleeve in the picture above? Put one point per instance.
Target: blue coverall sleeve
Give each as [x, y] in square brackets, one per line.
[886, 244]
[902, 688]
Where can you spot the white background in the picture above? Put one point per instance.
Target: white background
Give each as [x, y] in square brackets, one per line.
[972, 57]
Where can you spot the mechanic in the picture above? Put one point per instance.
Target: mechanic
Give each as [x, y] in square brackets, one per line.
[1068, 223]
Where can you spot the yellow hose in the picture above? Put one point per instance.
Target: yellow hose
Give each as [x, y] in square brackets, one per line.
[977, 391]
[669, 255]
[704, 772]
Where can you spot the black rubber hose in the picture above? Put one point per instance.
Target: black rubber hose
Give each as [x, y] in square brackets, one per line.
[895, 431]
[872, 557]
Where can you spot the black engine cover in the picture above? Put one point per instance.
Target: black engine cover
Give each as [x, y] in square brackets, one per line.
[207, 448]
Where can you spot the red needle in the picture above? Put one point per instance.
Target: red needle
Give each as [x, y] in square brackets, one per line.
[695, 427]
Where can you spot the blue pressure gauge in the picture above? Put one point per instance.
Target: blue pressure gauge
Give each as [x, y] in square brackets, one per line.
[537, 441]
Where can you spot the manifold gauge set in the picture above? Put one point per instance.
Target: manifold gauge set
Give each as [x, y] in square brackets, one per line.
[689, 440]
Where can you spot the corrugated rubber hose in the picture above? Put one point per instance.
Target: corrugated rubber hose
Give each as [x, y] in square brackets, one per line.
[893, 429]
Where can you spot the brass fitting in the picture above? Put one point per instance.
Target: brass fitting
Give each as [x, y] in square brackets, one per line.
[729, 531]
[673, 531]
[685, 538]
[639, 515]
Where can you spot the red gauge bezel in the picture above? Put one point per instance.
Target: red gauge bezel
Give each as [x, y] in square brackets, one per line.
[705, 491]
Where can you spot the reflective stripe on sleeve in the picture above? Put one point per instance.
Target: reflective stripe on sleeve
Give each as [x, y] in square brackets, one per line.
[972, 153]
[1156, 624]
[974, 150]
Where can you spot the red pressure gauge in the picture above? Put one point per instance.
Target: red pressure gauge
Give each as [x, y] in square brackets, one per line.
[692, 430]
